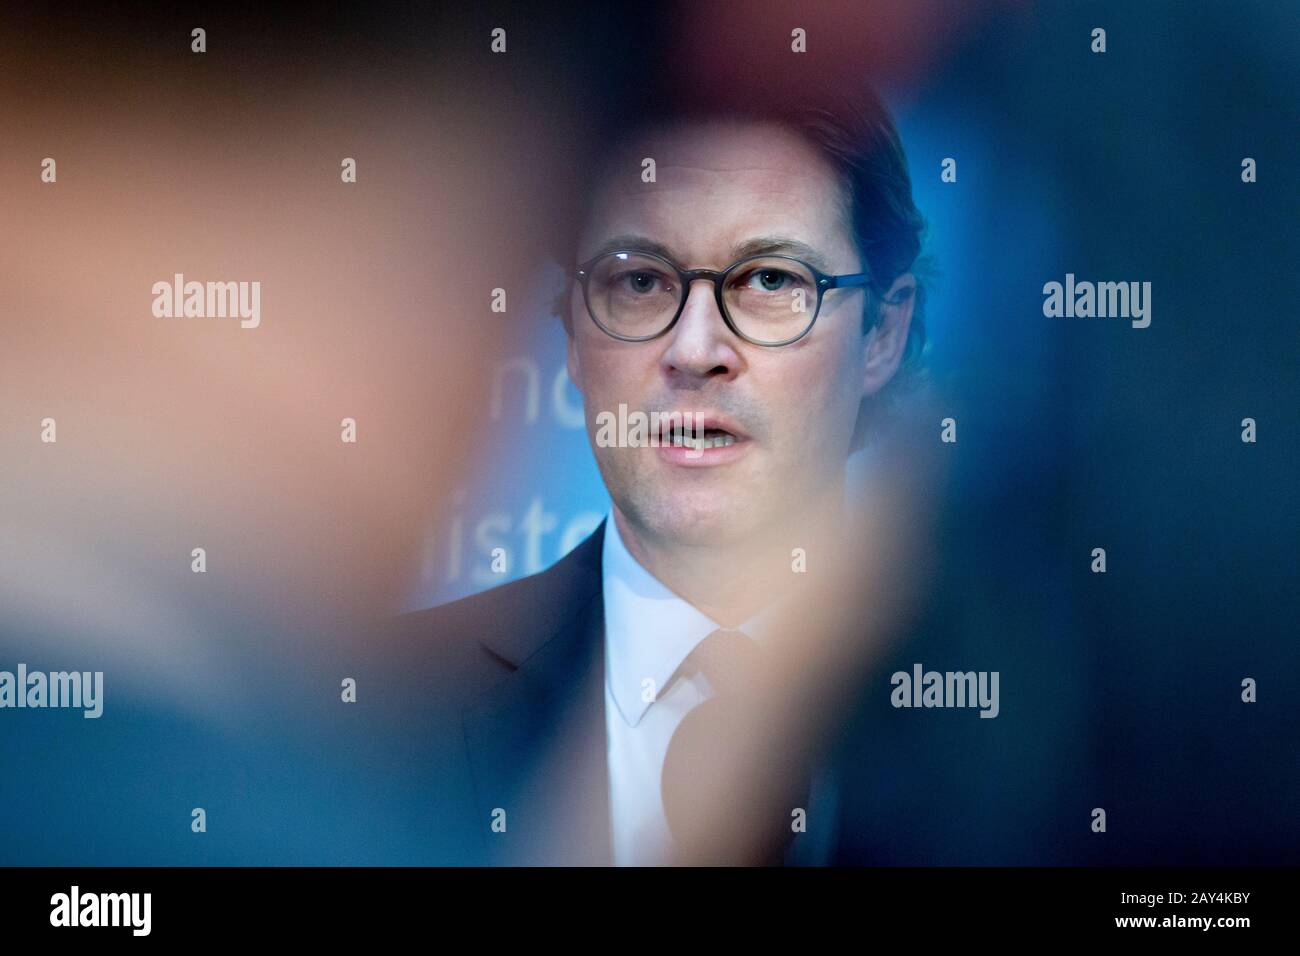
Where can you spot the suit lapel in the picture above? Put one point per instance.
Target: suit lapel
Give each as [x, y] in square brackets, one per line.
[536, 741]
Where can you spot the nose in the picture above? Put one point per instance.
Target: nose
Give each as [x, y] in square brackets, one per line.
[700, 345]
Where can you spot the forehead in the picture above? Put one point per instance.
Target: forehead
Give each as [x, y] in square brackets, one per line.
[716, 186]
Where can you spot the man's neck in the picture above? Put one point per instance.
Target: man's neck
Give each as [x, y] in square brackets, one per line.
[732, 583]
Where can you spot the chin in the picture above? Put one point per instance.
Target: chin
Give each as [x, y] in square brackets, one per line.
[700, 517]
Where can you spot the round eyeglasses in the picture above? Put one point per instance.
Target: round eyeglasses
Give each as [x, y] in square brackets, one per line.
[767, 300]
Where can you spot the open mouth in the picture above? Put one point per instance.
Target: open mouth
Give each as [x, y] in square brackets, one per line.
[698, 432]
[690, 438]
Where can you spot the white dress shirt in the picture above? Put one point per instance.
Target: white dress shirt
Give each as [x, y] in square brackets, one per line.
[649, 631]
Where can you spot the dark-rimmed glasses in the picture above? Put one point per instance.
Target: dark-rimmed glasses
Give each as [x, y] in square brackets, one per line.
[768, 300]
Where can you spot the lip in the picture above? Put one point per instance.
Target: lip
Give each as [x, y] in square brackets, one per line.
[701, 420]
[708, 457]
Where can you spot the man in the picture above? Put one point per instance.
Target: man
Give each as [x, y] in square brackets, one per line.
[671, 690]
[694, 544]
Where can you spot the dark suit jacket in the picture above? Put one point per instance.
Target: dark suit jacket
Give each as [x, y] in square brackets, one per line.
[520, 728]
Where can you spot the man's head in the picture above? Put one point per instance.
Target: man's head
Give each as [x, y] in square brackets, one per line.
[831, 191]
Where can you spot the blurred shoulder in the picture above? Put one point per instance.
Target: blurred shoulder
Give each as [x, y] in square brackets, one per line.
[475, 639]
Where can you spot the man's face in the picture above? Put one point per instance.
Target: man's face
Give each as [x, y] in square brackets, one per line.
[791, 408]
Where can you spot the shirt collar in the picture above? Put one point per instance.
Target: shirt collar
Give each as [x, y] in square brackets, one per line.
[649, 630]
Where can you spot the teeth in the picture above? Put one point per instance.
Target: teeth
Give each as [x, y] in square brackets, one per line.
[681, 440]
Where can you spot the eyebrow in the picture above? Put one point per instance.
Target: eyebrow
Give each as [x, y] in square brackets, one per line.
[632, 243]
[780, 245]
[759, 246]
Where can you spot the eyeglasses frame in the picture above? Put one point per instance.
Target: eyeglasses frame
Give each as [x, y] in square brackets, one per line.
[823, 282]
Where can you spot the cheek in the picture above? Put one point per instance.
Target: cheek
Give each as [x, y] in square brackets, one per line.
[821, 393]
[611, 371]
[850, 369]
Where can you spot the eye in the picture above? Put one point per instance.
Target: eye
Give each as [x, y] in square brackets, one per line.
[639, 281]
[770, 279]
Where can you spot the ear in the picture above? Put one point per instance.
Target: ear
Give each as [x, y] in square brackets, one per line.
[887, 339]
[571, 356]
